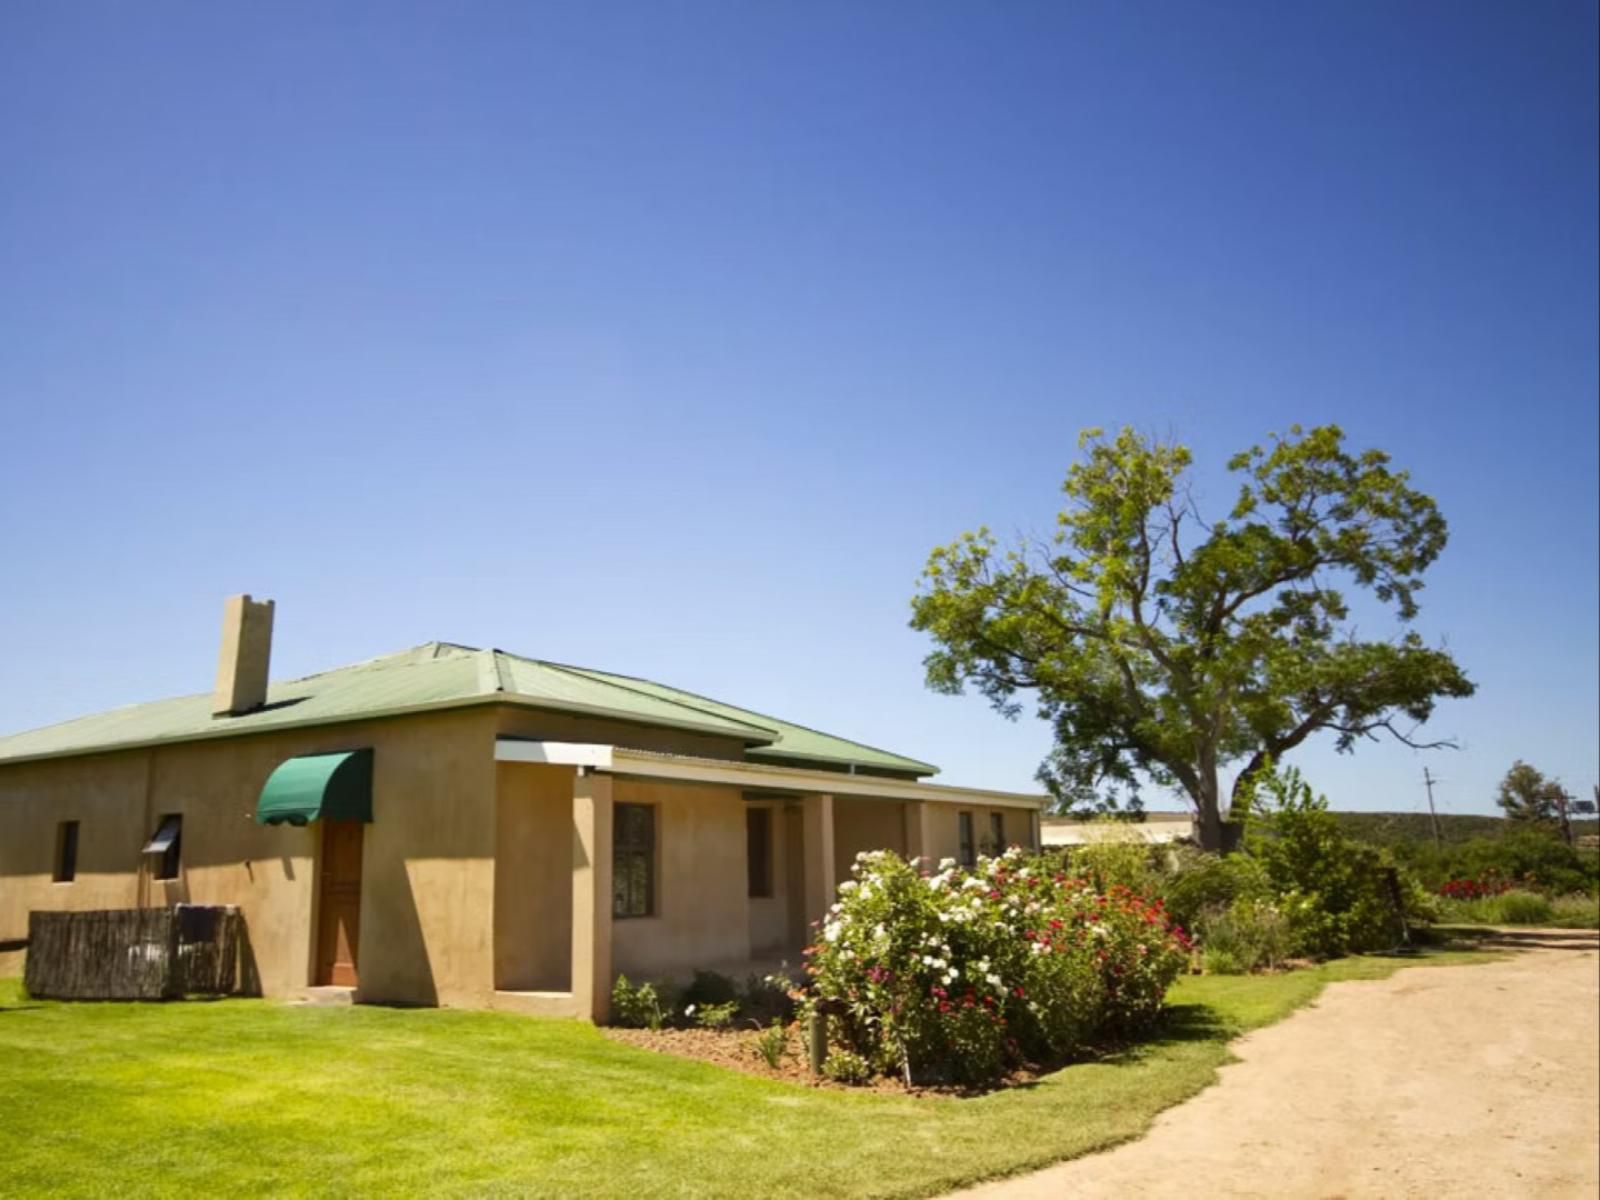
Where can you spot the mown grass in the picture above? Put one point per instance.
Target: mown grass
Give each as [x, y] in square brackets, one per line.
[248, 1096]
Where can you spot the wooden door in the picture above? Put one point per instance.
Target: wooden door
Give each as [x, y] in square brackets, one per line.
[339, 904]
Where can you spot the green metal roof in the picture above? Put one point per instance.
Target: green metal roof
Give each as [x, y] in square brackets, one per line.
[444, 675]
[794, 742]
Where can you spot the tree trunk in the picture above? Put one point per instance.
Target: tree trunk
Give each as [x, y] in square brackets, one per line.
[1208, 812]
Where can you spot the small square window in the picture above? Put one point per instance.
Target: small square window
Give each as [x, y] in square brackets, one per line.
[167, 844]
[66, 852]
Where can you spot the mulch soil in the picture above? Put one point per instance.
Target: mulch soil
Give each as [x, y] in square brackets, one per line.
[736, 1050]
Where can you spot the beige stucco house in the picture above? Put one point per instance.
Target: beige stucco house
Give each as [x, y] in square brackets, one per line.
[465, 827]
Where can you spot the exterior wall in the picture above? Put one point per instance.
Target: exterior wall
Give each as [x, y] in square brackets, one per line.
[945, 829]
[533, 878]
[702, 910]
[865, 825]
[770, 916]
[428, 858]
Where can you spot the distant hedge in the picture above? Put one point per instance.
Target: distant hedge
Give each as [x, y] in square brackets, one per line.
[1400, 828]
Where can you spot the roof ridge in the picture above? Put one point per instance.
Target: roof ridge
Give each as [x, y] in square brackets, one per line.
[565, 669]
[764, 716]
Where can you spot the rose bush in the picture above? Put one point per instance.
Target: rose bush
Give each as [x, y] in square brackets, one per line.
[952, 975]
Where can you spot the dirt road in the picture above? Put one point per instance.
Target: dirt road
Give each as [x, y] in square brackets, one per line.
[1478, 1081]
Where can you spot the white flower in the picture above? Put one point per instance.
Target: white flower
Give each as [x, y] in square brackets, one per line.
[830, 931]
[994, 980]
[849, 885]
[689, 1012]
[947, 864]
[1039, 948]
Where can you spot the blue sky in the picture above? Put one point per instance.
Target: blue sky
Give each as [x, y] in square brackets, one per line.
[670, 338]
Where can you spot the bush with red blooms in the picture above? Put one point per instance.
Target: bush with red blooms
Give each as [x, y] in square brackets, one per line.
[949, 975]
[1488, 884]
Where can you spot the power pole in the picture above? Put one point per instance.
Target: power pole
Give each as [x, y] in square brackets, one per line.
[1562, 800]
[1432, 812]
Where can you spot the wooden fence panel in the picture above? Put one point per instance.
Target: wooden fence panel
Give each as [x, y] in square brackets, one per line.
[133, 954]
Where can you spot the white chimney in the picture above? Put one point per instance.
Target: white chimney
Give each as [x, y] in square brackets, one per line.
[246, 654]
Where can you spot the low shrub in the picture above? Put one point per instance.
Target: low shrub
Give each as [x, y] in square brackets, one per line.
[846, 1066]
[1331, 889]
[1201, 882]
[773, 1043]
[636, 1007]
[768, 998]
[1247, 935]
[709, 987]
[950, 975]
[1524, 908]
[713, 1016]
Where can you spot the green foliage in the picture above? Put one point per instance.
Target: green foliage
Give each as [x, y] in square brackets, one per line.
[1246, 935]
[636, 1007]
[773, 1043]
[1330, 889]
[1113, 863]
[768, 998]
[1526, 795]
[1524, 908]
[1165, 648]
[1531, 855]
[1200, 881]
[949, 976]
[713, 1016]
[708, 987]
[846, 1066]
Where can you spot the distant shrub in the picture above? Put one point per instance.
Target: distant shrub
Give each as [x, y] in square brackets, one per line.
[1248, 935]
[1524, 908]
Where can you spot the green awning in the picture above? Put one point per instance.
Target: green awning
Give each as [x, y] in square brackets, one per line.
[333, 786]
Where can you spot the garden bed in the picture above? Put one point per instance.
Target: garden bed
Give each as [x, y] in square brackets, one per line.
[736, 1050]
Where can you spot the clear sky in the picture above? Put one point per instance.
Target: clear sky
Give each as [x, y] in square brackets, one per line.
[669, 338]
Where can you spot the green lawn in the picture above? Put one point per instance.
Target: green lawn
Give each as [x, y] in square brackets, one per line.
[251, 1096]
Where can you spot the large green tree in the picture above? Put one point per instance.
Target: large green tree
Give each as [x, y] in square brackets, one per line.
[1164, 648]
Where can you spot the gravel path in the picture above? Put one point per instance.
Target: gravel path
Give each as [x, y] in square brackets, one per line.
[1478, 1081]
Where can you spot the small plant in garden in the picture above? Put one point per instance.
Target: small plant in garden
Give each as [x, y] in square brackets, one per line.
[773, 1043]
[636, 1007]
[846, 1066]
[713, 1016]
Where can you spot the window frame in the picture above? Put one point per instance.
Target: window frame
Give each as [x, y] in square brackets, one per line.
[170, 866]
[758, 884]
[65, 867]
[632, 849]
[966, 841]
[997, 830]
